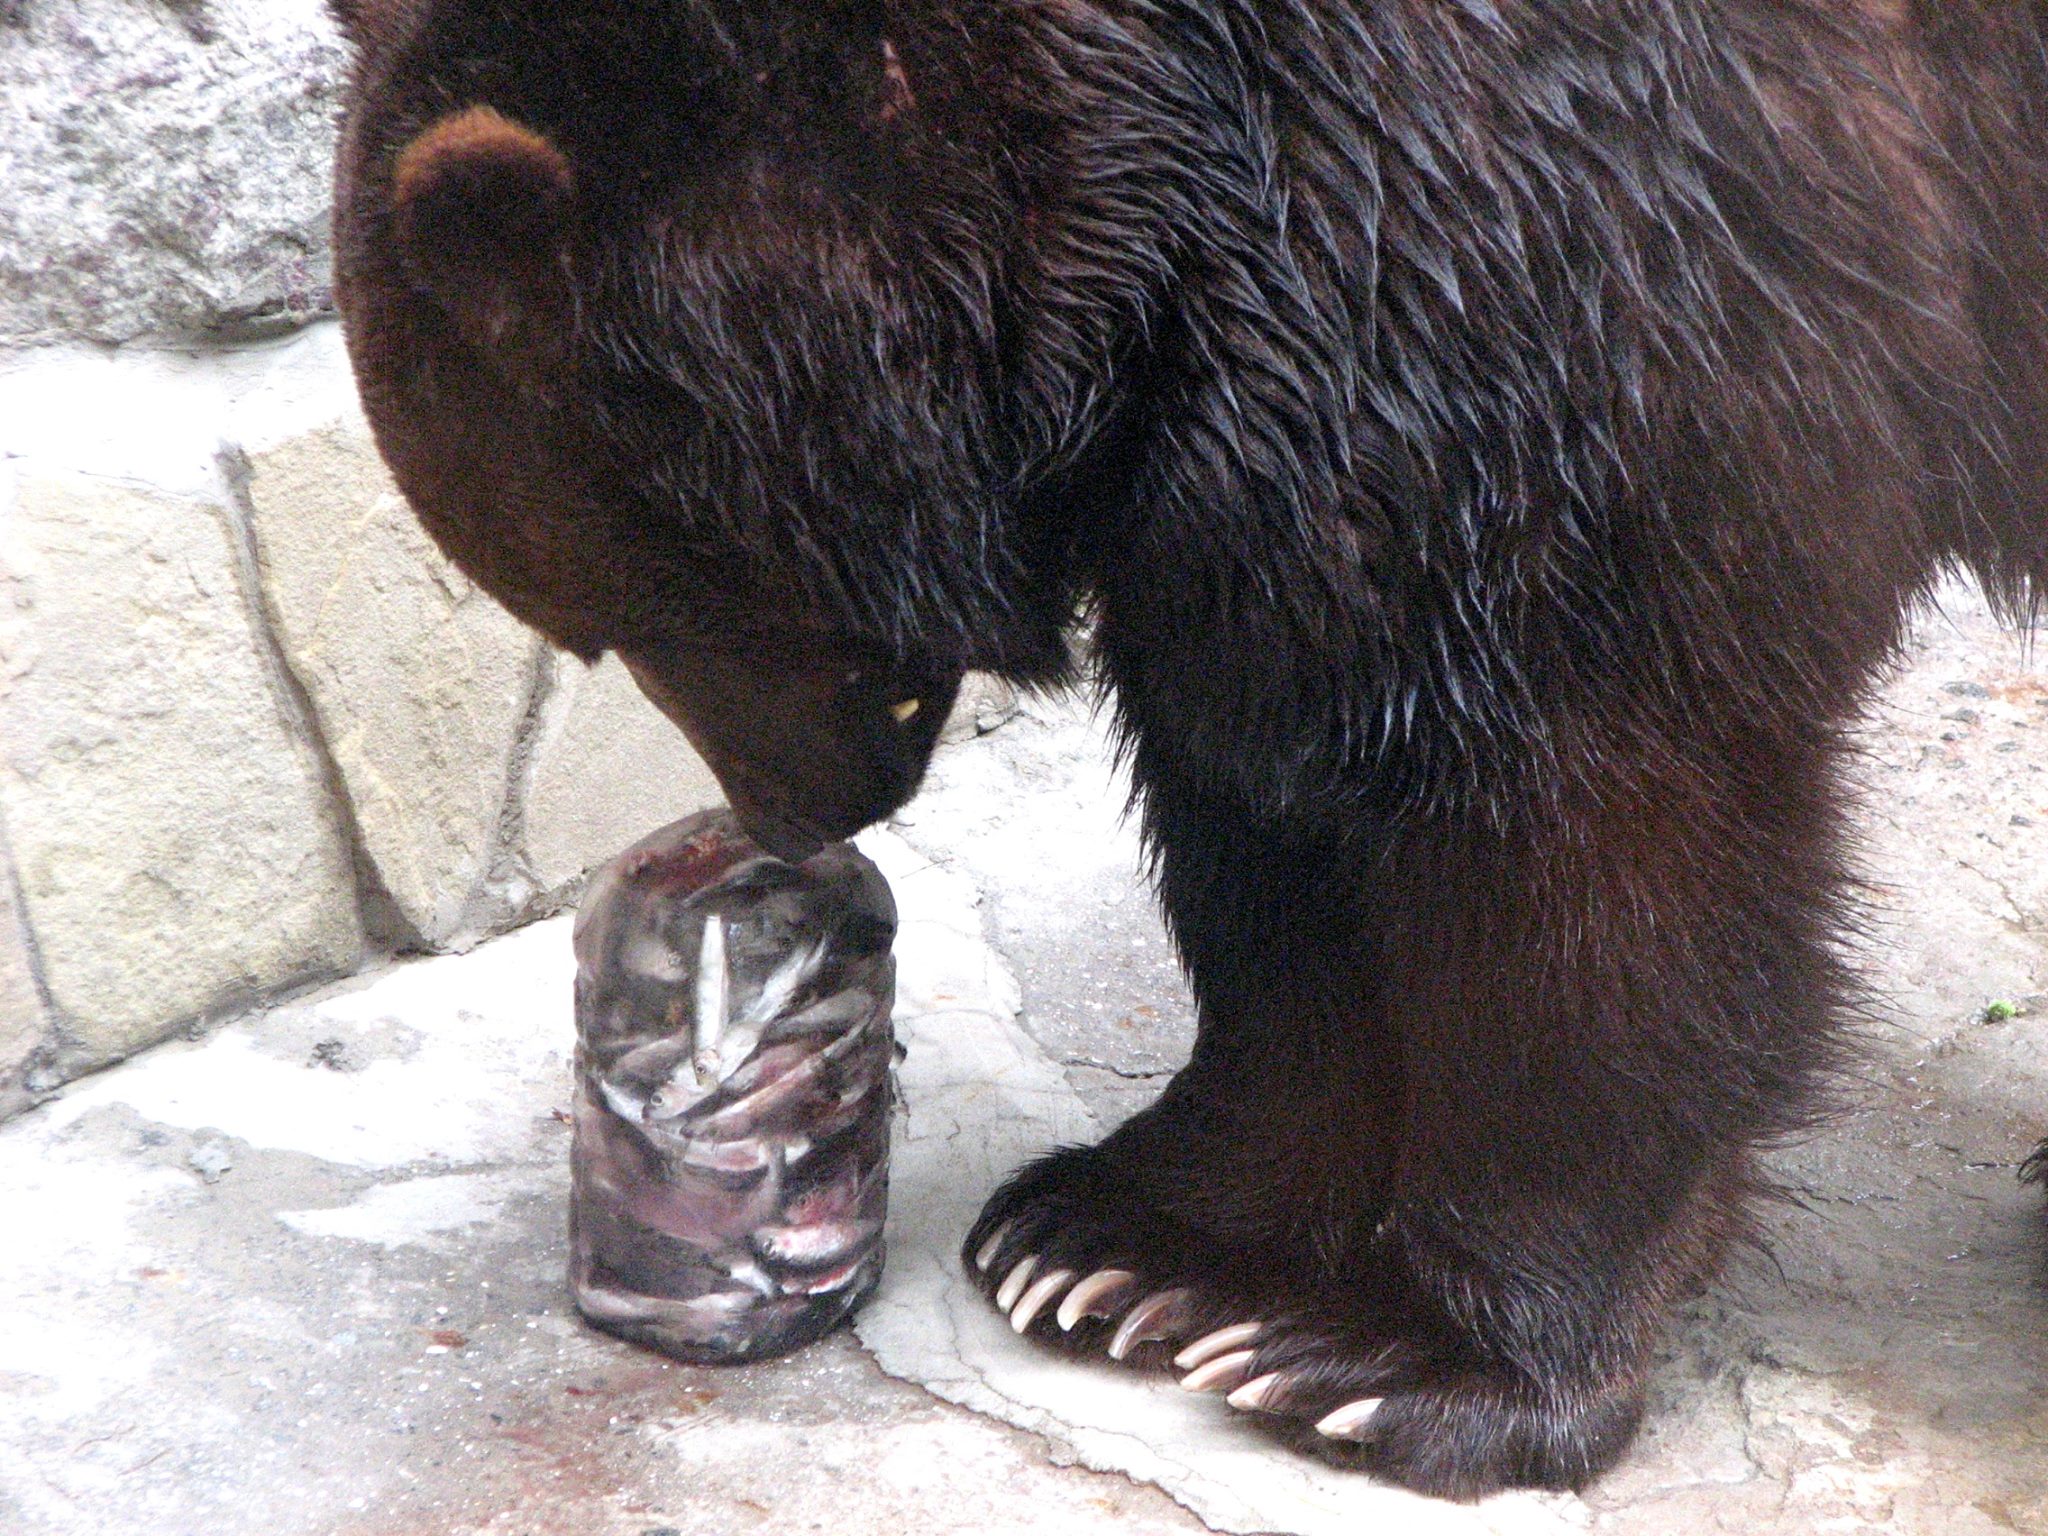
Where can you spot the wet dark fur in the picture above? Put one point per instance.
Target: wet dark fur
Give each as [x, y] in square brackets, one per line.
[1495, 443]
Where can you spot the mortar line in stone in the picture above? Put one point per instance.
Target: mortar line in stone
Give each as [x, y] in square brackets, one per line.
[504, 871]
[57, 1038]
[53, 1037]
[384, 923]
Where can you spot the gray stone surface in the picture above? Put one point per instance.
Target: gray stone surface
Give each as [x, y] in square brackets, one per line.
[166, 165]
[418, 681]
[606, 769]
[136, 723]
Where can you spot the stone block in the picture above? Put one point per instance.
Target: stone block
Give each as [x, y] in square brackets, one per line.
[166, 165]
[418, 680]
[175, 850]
[606, 769]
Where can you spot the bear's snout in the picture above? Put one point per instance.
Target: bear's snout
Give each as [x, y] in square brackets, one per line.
[807, 753]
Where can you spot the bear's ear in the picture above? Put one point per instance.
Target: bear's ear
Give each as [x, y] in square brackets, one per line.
[481, 208]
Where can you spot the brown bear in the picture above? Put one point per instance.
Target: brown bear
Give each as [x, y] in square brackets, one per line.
[1487, 446]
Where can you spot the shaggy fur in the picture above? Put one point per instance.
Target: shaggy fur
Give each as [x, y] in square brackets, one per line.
[1495, 442]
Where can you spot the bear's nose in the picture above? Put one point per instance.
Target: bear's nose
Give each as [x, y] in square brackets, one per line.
[807, 753]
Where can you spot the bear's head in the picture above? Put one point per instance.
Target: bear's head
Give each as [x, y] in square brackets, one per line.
[767, 343]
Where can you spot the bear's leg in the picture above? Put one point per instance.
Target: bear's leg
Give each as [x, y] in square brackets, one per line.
[1472, 1102]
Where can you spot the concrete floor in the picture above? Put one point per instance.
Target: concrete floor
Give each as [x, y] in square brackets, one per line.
[306, 1275]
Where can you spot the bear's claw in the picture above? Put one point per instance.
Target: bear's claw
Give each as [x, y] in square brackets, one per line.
[1261, 1394]
[1224, 1373]
[1208, 1347]
[1034, 1299]
[986, 1255]
[1094, 1297]
[1158, 1316]
[1350, 1421]
[1014, 1283]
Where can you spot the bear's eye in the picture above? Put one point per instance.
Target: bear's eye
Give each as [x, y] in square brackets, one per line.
[906, 711]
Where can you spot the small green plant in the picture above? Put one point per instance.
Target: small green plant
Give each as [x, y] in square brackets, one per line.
[1999, 1012]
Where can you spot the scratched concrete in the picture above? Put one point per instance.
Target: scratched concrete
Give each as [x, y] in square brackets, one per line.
[305, 1276]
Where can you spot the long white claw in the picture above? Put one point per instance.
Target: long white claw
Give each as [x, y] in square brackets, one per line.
[1255, 1394]
[1102, 1285]
[1013, 1285]
[1033, 1301]
[1348, 1422]
[1080, 1301]
[1148, 1321]
[986, 1254]
[1221, 1342]
[1223, 1371]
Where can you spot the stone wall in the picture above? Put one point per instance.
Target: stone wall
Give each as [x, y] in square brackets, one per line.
[254, 733]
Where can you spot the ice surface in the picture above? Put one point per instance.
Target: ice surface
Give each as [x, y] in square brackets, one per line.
[732, 1104]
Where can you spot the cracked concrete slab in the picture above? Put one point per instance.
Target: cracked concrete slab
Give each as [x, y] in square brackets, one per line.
[306, 1276]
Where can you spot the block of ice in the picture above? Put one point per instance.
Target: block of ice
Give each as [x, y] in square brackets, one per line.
[730, 1165]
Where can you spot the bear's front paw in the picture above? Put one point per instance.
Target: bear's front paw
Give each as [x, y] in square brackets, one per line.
[1335, 1352]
